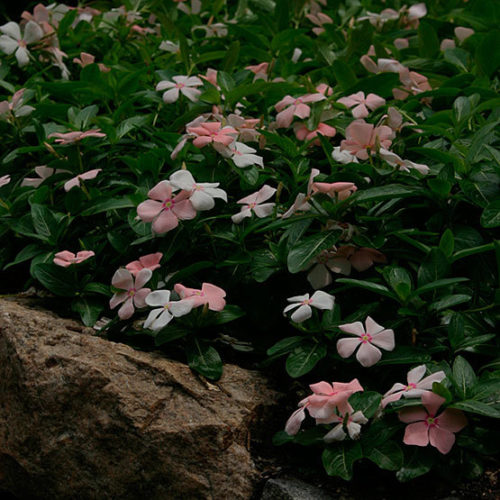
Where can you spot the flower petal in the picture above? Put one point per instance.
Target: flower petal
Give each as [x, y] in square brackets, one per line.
[384, 340]
[345, 347]
[368, 355]
[416, 434]
[303, 313]
[355, 328]
[122, 279]
[441, 438]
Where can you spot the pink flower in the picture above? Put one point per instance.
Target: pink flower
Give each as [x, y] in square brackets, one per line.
[428, 427]
[362, 104]
[368, 340]
[290, 106]
[413, 83]
[76, 181]
[211, 77]
[352, 422]
[133, 294]
[447, 43]
[463, 33]
[404, 165]
[319, 19]
[211, 132]
[66, 258]
[165, 210]
[304, 134]
[324, 89]
[4, 180]
[16, 106]
[85, 59]
[323, 403]
[363, 138]
[43, 173]
[339, 190]
[401, 43]
[259, 70]
[301, 202]
[209, 294]
[186, 85]
[415, 387]
[245, 127]
[349, 256]
[382, 65]
[253, 203]
[72, 137]
[150, 261]
[319, 300]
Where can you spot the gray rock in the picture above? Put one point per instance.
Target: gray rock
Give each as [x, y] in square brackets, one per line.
[83, 417]
[292, 489]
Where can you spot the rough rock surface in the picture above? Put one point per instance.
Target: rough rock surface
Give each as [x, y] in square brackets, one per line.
[82, 417]
[292, 489]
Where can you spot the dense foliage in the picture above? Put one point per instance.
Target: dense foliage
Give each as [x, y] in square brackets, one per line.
[341, 158]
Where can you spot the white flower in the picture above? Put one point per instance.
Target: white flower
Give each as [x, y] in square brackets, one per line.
[353, 425]
[16, 106]
[167, 310]
[185, 84]
[215, 29]
[343, 156]
[169, 46]
[242, 155]
[319, 299]
[405, 165]
[12, 42]
[202, 193]
[253, 203]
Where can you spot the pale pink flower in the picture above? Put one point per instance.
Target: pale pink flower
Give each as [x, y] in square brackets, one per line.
[242, 155]
[213, 30]
[413, 83]
[414, 13]
[369, 339]
[166, 310]
[323, 403]
[76, 181]
[259, 70]
[337, 190]
[43, 173]
[401, 43]
[303, 304]
[85, 59]
[133, 295]
[164, 209]
[211, 76]
[428, 427]
[394, 119]
[379, 20]
[245, 127]
[319, 20]
[194, 8]
[186, 85]
[211, 132]
[254, 203]
[463, 33]
[4, 180]
[15, 106]
[405, 165]
[343, 157]
[73, 137]
[382, 65]
[447, 43]
[150, 261]
[169, 46]
[301, 203]
[209, 294]
[304, 134]
[290, 106]
[47, 17]
[415, 386]
[202, 194]
[325, 89]
[361, 104]
[361, 259]
[319, 276]
[363, 138]
[12, 42]
[67, 258]
[353, 424]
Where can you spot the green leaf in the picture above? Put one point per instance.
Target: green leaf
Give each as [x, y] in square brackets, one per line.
[281, 437]
[488, 60]
[367, 402]
[442, 391]
[339, 460]
[88, 308]
[99, 288]
[449, 301]
[344, 74]
[387, 455]
[434, 267]
[170, 333]
[304, 358]
[428, 40]
[300, 255]
[228, 314]
[390, 191]
[404, 355]
[44, 222]
[464, 378]
[456, 329]
[436, 285]
[108, 204]
[284, 346]
[368, 285]
[472, 406]
[400, 281]
[420, 462]
[232, 54]
[27, 253]
[491, 215]
[225, 80]
[447, 243]
[204, 359]
[59, 280]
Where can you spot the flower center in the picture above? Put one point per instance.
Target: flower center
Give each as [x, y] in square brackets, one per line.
[199, 293]
[365, 338]
[168, 204]
[410, 386]
[197, 187]
[167, 306]
[298, 101]
[431, 421]
[132, 292]
[180, 85]
[22, 44]
[252, 205]
[306, 302]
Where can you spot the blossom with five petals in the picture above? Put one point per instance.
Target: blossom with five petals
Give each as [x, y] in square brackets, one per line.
[323, 403]
[133, 295]
[415, 387]
[211, 132]
[259, 70]
[242, 155]
[349, 256]
[413, 83]
[12, 42]
[164, 209]
[245, 127]
[368, 340]
[76, 181]
[16, 106]
[253, 203]
[166, 309]
[66, 258]
[43, 173]
[353, 424]
[405, 165]
[319, 276]
[73, 137]
[339, 190]
[343, 157]
[426, 426]
[150, 261]
[290, 106]
[362, 104]
[85, 59]
[319, 300]
[186, 85]
[209, 294]
[304, 134]
[363, 138]
[202, 194]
